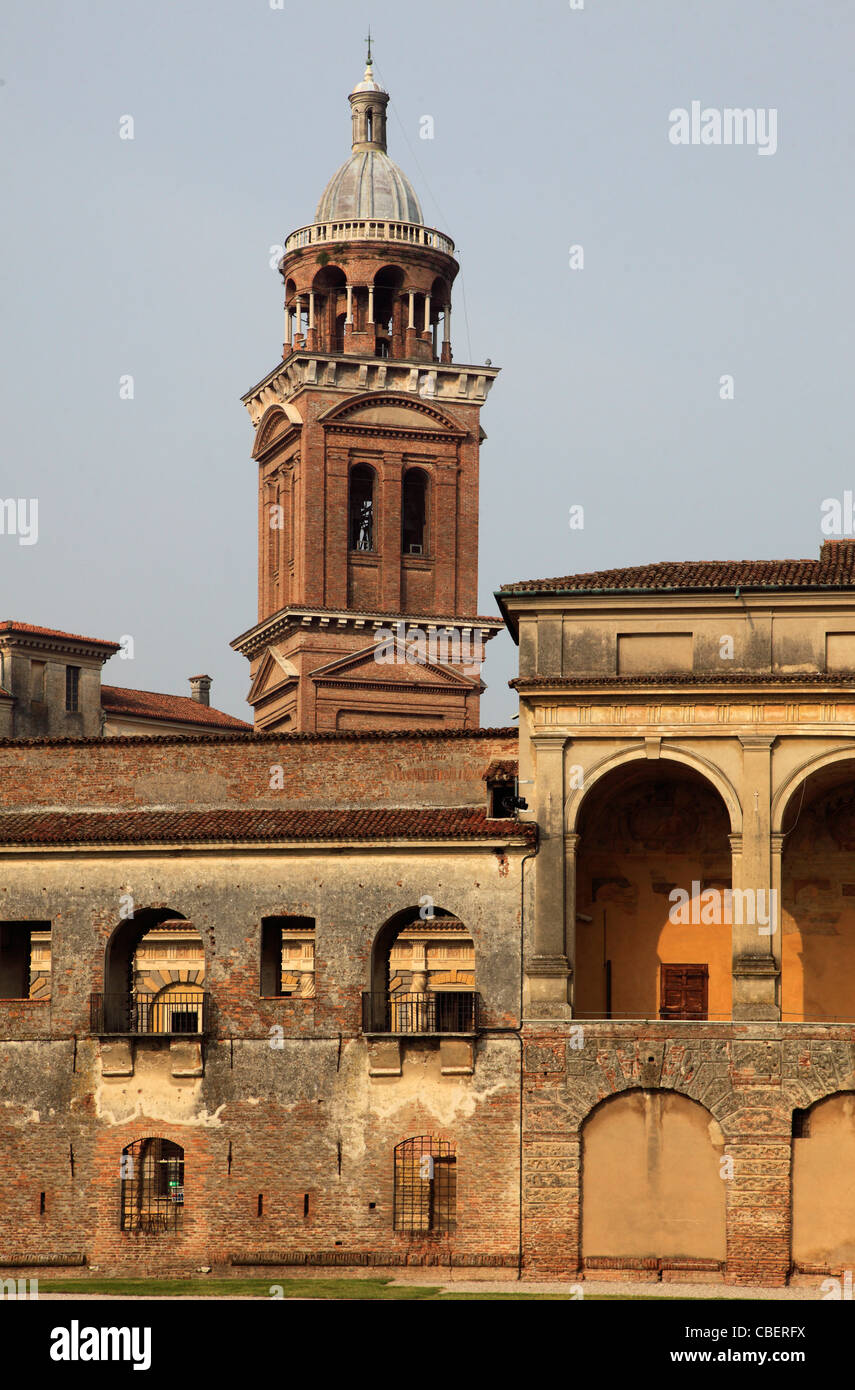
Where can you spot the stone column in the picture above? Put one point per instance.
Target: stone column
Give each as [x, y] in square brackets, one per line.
[446, 334]
[427, 314]
[287, 326]
[349, 315]
[547, 967]
[311, 308]
[370, 303]
[411, 323]
[755, 974]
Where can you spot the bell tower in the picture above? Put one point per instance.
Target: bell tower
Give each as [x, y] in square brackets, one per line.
[367, 439]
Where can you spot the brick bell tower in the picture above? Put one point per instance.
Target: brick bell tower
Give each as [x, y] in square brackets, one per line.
[367, 438]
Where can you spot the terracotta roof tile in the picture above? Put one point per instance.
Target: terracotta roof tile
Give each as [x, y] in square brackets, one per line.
[151, 704]
[502, 770]
[835, 569]
[9, 625]
[246, 734]
[200, 827]
[699, 680]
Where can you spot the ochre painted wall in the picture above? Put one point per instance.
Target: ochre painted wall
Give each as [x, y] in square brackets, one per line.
[651, 1184]
[824, 1186]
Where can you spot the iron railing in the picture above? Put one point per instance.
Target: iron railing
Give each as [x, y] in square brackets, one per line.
[184, 1014]
[431, 1012]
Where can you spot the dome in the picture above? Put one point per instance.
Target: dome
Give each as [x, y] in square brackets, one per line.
[369, 184]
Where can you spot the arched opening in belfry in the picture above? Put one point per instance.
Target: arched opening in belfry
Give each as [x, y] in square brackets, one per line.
[329, 287]
[414, 512]
[440, 296]
[818, 897]
[422, 974]
[361, 518]
[652, 1184]
[154, 976]
[653, 904]
[369, 124]
[388, 318]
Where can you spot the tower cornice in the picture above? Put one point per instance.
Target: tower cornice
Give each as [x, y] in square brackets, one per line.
[346, 375]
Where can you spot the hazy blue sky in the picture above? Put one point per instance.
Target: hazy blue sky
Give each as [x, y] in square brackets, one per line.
[151, 257]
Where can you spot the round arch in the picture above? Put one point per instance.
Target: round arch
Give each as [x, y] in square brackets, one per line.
[612, 761]
[651, 1183]
[386, 937]
[796, 780]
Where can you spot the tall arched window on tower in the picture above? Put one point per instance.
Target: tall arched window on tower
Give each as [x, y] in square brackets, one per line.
[361, 508]
[369, 124]
[414, 512]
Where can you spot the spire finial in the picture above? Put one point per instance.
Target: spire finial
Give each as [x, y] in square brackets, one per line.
[368, 41]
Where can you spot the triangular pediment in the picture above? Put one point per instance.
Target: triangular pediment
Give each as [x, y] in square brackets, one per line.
[274, 673]
[392, 412]
[371, 665]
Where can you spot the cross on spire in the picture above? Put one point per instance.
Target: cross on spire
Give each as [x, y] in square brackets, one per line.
[368, 41]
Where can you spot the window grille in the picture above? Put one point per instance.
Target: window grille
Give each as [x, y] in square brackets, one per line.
[425, 1186]
[152, 1175]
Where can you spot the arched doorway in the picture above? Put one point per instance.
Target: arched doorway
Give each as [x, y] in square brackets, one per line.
[651, 1179]
[653, 932]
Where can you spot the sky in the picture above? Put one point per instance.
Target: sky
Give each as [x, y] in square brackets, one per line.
[683, 379]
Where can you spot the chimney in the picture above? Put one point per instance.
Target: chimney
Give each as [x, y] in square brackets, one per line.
[200, 689]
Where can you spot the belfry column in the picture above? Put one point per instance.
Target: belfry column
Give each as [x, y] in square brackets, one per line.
[755, 973]
[547, 967]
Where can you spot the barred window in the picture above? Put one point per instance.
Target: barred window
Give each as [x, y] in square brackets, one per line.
[152, 1174]
[425, 1186]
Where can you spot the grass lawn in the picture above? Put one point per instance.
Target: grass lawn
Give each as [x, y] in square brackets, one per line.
[364, 1289]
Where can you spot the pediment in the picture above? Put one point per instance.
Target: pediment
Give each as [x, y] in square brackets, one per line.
[276, 422]
[370, 666]
[392, 412]
[274, 673]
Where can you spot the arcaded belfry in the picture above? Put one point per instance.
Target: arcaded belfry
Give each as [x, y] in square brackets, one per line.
[367, 441]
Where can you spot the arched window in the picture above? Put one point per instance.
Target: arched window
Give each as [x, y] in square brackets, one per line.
[369, 124]
[425, 1186]
[414, 512]
[361, 508]
[152, 1174]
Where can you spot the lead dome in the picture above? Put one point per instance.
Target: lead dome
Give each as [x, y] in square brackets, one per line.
[369, 184]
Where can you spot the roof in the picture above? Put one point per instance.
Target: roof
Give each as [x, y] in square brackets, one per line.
[8, 625]
[835, 569]
[255, 826]
[369, 184]
[502, 770]
[246, 734]
[698, 679]
[151, 704]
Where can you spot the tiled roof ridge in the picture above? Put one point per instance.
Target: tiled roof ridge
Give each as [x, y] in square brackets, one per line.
[691, 678]
[254, 736]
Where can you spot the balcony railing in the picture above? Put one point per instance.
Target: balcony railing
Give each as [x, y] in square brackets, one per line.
[432, 1012]
[184, 1014]
[371, 229]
